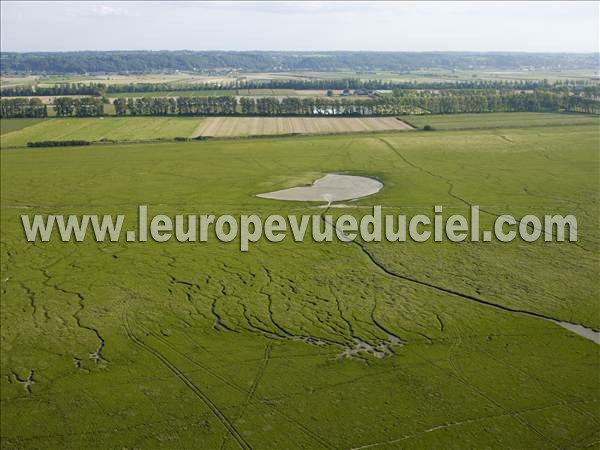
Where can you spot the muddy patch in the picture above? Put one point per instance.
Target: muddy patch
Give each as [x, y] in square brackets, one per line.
[330, 188]
[380, 350]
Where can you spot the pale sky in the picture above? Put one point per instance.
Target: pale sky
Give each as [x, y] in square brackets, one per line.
[402, 26]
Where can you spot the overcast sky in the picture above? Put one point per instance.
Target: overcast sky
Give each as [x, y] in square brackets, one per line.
[402, 26]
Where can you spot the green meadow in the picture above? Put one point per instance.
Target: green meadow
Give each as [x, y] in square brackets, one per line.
[10, 125]
[96, 129]
[176, 345]
[18, 132]
[499, 120]
[198, 93]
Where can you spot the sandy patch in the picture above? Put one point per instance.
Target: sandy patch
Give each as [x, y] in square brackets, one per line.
[330, 188]
[582, 331]
[253, 126]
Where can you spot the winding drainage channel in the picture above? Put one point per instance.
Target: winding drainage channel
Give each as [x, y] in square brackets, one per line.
[334, 187]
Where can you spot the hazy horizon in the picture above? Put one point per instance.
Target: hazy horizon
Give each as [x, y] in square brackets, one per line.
[125, 50]
[529, 27]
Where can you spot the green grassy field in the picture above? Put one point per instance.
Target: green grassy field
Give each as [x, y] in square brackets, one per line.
[95, 129]
[499, 120]
[179, 345]
[204, 93]
[173, 93]
[428, 75]
[450, 75]
[17, 132]
[10, 125]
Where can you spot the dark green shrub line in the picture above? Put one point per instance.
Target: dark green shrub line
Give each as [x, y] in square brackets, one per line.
[71, 143]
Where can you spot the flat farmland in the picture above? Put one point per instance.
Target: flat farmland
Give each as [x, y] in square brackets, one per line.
[258, 126]
[182, 93]
[499, 120]
[96, 129]
[8, 126]
[195, 345]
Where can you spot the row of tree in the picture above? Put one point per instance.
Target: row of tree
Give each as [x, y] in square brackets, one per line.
[278, 61]
[185, 106]
[22, 107]
[78, 107]
[576, 103]
[63, 107]
[242, 85]
[54, 90]
[273, 106]
[376, 106]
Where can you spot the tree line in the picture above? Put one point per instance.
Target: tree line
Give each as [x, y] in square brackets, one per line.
[100, 89]
[22, 107]
[374, 106]
[54, 90]
[78, 107]
[414, 103]
[576, 103]
[269, 61]
[63, 107]
[337, 84]
[184, 106]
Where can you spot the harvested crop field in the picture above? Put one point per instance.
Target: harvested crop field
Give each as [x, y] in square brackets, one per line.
[256, 126]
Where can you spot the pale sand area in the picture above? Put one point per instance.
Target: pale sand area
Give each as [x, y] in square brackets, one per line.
[582, 331]
[330, 188]
[252, 126]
